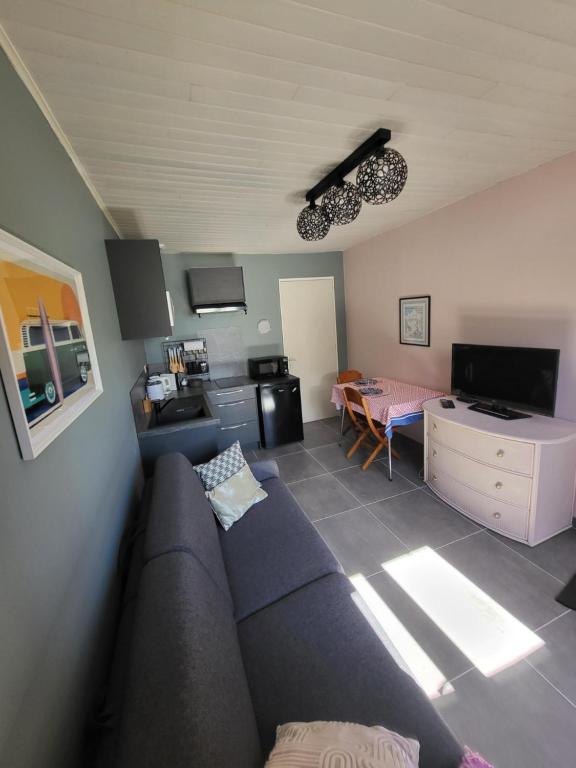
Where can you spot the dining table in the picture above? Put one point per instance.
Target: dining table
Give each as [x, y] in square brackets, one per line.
[395, 405]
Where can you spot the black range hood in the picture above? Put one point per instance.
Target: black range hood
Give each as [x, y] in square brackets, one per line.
[216, 289]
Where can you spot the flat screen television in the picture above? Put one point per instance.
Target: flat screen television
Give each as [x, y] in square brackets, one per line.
[521, 377]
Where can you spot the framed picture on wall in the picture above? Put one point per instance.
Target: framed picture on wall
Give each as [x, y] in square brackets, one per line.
[415, 320]
[47, 355]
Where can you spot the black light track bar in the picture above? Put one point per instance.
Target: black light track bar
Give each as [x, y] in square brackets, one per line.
[367, 148]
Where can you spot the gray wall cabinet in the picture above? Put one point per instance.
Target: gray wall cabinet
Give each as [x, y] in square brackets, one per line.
[139, 288]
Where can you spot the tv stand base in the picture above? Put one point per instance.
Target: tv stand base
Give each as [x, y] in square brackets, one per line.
[493, 409]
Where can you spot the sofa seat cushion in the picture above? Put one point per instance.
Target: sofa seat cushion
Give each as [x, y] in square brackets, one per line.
[271, 551]
[187, 700]
[181, 518]
[314, 656]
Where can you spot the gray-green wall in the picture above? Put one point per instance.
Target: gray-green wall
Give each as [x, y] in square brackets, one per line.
[61, 515]
[261, 275]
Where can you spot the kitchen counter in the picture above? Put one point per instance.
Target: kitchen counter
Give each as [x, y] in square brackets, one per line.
[230, 413]
[145, 425]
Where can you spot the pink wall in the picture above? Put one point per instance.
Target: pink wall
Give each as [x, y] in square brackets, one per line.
[500, 267]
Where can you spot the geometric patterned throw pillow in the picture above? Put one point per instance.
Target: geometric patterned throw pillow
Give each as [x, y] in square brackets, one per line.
[221, 467]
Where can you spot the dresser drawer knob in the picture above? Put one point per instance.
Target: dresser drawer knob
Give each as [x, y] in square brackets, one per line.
[497, 515]
[498, 485]
[434, 477]
[434, 452]
[500, 453]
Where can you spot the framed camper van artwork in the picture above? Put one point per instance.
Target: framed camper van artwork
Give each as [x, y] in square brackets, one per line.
[47, 355]
[415, 320]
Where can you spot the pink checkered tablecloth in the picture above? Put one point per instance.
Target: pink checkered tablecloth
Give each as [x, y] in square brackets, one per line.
[399, 403]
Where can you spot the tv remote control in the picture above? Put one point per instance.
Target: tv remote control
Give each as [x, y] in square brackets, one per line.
[445, 403]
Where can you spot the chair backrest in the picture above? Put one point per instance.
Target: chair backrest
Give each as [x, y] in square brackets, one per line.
[344, 377]
[351, 396]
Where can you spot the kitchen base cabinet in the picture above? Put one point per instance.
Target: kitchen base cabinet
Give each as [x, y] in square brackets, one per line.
[198, 443]
[236, 408]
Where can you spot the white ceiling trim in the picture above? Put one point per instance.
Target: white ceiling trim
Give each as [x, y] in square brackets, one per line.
[26, 76]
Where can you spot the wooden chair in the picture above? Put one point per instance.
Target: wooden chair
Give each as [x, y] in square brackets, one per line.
[366, 427]
[345, 377]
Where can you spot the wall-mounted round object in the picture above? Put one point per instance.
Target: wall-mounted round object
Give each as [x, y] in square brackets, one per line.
[312, 223]
[382, 176]
[264, 326]
[342, 203]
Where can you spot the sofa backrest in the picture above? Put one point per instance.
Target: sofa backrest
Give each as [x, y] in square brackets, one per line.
[181, 518]
[186, 699]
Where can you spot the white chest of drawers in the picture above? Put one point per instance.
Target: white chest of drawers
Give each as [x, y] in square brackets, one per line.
[515, 477]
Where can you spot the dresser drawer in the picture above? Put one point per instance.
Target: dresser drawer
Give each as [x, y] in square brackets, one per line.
[235, 412]
[490, 449]
[247, 432]
[494, 514]
[231, 395]
[504, 486]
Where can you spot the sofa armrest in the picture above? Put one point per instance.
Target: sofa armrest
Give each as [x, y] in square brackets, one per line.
[264, 470]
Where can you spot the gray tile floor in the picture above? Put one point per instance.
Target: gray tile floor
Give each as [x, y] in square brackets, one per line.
[524, 717]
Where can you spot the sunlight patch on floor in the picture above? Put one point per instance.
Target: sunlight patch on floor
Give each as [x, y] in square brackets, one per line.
[482, 629]
[392, 631]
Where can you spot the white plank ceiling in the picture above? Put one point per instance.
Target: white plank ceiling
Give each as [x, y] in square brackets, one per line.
[203, 122]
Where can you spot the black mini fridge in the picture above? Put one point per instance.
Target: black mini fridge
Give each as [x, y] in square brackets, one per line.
[280, 410]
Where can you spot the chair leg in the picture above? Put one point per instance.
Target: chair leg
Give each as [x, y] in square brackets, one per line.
[358, 443]
[372, 456]
[342, 425]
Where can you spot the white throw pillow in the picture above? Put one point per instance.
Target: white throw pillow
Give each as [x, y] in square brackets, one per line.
[232, 498]
[325, 744]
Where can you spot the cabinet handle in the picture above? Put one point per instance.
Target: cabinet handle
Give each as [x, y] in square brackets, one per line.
[235, 426]
[500, 453]
[434, 425]
[231, 405]
[434, 477]
[497, 515]
[498, 485]
[434, 452]
[229, 392]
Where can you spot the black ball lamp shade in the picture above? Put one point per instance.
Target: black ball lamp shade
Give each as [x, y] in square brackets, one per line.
[312, 223]
[342, 203]
[382, 176]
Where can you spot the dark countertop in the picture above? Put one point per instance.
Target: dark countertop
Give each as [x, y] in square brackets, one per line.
[145, 426]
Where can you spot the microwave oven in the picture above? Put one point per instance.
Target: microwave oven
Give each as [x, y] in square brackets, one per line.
[267, 367]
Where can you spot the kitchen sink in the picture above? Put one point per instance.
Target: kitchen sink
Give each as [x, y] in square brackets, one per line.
[179, 409]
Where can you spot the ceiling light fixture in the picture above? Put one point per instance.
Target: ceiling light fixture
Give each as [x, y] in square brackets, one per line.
[342, 203]
[312, 223]
[380, 179]
[382, 176]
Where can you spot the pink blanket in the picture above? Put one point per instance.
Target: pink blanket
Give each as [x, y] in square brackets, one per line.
[474, 760]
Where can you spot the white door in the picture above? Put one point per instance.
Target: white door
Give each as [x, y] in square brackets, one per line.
[309, 332]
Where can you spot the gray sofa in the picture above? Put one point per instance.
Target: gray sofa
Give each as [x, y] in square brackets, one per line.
[225, 635]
